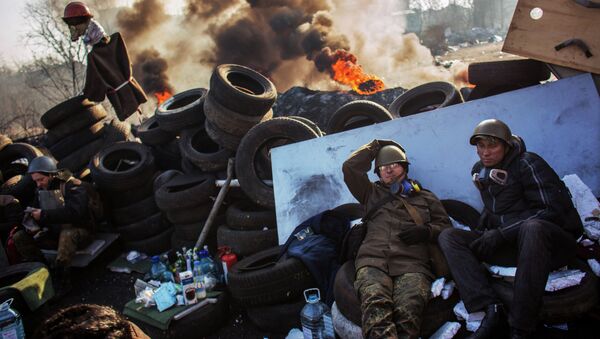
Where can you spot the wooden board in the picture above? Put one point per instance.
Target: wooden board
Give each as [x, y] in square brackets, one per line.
[561, 20]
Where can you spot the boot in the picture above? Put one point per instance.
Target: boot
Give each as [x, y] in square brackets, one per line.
[493, 325]
[61, 282]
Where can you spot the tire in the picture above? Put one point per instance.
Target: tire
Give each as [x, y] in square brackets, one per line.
[118, 199]
[426, 97]
[14, 273]
[189, 215]
[230, 121]
[198, 148]
[507, 72]
[563, 305]
[167, 156]
[309, 123]
[69, 144]
[435, 314]
[4, 141]
[81, 157]
[16, 151]
[343, 327]
[242, 89]
[182, 110]
[21, 187]
[259, 140]
[143, 229]
[163, 178]
[154, 245]
[365, 109]
[462, 212]
[226, 140]
[185, 191]
[122, 166]
[74, 123]
[244, 215]
[278, 318]
[151, 134]
[135, 212]
[63, 110]
[261, 280]
[484, 91]
[245, 243]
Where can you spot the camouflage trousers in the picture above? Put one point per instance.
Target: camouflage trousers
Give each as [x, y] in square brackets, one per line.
[391, 306]
[69, 240]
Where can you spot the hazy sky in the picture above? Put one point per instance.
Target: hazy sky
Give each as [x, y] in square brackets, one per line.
[12, 50]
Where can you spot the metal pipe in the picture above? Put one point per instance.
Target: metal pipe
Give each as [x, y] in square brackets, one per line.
[195, 307]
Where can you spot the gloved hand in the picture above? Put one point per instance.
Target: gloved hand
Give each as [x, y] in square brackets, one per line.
[487, 243]
[415, 235]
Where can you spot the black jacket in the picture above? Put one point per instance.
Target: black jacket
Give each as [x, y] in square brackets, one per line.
[533, 190]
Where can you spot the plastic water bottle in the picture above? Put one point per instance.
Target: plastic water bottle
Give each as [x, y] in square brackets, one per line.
[157, 269]
[316, 317]
[199, 280]
[208, 270]
[11, 324]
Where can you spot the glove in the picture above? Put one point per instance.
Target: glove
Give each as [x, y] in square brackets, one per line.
[414, 235]
[487, 243]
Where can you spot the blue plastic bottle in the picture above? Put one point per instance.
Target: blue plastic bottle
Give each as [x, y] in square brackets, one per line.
[316, 317]
[11, 324]
[208, 270]
[157, 269]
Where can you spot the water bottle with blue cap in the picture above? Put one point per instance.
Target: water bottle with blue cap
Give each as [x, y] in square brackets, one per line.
[11, 324]
[316, 317]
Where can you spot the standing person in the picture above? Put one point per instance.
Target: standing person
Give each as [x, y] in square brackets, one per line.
[60, 205]
[393, 270]
[528, 221]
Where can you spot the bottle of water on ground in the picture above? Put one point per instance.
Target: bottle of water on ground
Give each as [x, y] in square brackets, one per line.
[316, 317]
[208, 269]
[158, 269]
[11, 324]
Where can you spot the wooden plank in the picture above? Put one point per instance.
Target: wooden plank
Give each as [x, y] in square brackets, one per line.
[561, 20]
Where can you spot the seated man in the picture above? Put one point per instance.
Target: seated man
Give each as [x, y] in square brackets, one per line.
[393, 271]
[528, 221]
[61, 206]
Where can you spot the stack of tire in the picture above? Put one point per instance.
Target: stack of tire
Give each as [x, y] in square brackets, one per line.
[124, 173]
[14, 160]
[163, 143]
[76, 132]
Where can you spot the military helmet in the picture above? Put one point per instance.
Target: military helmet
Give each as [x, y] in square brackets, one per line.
[390, 154]
[42, 164]
[492, 128]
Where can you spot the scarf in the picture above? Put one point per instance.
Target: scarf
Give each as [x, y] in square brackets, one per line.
[94, 33]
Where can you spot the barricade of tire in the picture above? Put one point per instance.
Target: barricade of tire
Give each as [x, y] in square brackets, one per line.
[124, 173]
[270, 289]
[14, 171]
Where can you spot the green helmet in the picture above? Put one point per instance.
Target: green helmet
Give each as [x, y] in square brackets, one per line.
[390, 154]
[42, 164]
[492, 128]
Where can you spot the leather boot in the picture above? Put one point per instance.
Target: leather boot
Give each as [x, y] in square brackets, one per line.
[493, 325]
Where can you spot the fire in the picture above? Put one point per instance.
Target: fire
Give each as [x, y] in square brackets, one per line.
[346, 71]
[162, 96]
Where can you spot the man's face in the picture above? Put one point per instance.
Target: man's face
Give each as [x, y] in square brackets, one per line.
[490, 152]
[41, 180]
[391, 173]
[77, 30]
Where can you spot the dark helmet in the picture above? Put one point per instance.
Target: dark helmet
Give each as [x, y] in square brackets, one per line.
[390, 154]
[76, 12]
[492, 128]
[42, 164]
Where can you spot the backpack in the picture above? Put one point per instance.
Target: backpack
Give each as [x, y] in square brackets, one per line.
[95, 205]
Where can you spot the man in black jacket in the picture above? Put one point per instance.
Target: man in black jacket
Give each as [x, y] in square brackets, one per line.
[61, 206]
[528, 221]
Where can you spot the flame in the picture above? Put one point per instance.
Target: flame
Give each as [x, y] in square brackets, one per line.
[162, 96]
[346, 71]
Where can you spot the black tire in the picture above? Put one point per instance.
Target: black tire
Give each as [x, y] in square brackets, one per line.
[278, 318]
[74, 123]
[185, 191]
[484, 91]
[309, 123]
[182, 110]
[436, 313]
[167, 156]
[426, 97]
[198, 148]
[63, 110]
[189, 215]
[81, 157]
[12, 274]
[364, 109]
[242, 89]
[261, 280]
[226, 140]
[69, 144]
[154, 245]
[122, 166]
[246, 242]
[135, 212]
[21, 187]
[230, 121]
[195, 325]
[16, 151]
[151, 134]
[118, 199]
[143, 229]
[189, 231]
[163, 178]
[4, 141]
[462, 212]
[563, 305]
[189, 168]
[177, 242]
[507, 72]
[244, 215]
[257, 142]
